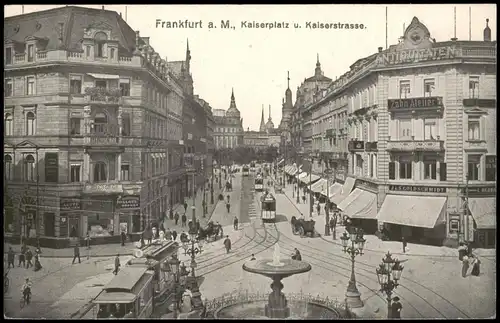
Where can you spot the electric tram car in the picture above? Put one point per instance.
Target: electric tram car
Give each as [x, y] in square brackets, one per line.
[268, 207]
[245, 170]
[259, 183]
[140, 287]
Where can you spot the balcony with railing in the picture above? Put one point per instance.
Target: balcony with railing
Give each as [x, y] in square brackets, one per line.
[100, 135]
[103, 95]
[356, 145]
[479, 103]
[371, 146]
[415, 145]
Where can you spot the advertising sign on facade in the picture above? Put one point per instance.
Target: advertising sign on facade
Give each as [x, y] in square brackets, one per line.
[129, 202]
[415, 103]
[70, 204]
[417, 55]
[422, 189]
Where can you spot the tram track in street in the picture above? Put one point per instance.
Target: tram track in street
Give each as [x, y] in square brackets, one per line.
[321, 255]
[372, 270]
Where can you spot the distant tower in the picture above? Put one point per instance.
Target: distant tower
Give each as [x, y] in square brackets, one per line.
[487, 32]
[317, 70]
[262, 127]
[188, 58]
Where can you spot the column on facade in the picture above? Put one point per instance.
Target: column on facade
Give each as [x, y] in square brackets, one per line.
[118, 166]
[86, 157]
[438, 168]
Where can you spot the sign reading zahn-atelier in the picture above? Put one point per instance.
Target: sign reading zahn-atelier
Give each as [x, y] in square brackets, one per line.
[415, 103]
[421, 189]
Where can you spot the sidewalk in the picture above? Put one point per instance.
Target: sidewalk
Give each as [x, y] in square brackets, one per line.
[179, 208]
[105, 250]
[373, 243]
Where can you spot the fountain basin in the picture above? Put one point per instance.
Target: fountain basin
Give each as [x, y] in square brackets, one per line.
[288, 267]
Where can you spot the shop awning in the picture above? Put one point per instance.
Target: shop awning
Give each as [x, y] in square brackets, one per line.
[319, 186]
[483, 210]
[360, 204]
[414, 211]
[332, 190]
[287, 168]
[309, 179]
[104, 76]
[346, 190]
[303, 174]
[280, 162]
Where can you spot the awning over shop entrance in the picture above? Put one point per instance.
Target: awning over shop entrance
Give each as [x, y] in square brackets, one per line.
[303, 174]
[360, 204]
[319, 185]
[288, 168]
[332, 190]
[309, 179]
[346, 190]
[483, 210]
[414, 211]
[104, 76]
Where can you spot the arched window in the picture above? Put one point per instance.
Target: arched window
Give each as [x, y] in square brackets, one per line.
[100, 172]
[9, 124]
[8, 167]
[29, 168]
[100, 123]
[30, 124]
[100, 41]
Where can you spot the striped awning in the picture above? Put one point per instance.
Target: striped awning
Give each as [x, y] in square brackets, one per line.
[360, 204]
[303, 174]
[309, 179]
[280, 162]
[483, 210]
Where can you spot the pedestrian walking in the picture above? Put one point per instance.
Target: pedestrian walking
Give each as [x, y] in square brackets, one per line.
[183, 220]
[11, 256]
[304, 199]
[117, 264]
[465, 265]
[462, 251]
[185, 206]
[228, 199]
[22, 256]
[403, 240]
[123, 238]
[296, 255]
[176, 218]
[38, 265]
[235, 223]
[198, 225]
[396, 308]
[171, 214]
[318, 208]
[228, 207]
[475, 266]
[174, 235]
[76, 254]
[227, 244]
[29, 258]
[87, 239]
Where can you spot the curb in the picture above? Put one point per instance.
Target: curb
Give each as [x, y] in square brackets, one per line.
[84, 256]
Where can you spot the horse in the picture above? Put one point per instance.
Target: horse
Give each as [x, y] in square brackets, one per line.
[210, 231]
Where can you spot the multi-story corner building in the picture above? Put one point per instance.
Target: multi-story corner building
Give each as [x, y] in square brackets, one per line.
[209, 141]
[422, 149]
[92, 124]
[228, 126]
[301, 119]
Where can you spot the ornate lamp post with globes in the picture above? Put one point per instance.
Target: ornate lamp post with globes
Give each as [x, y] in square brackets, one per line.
[353, 296]
[387, 282]
[193, 250]
[172, 265]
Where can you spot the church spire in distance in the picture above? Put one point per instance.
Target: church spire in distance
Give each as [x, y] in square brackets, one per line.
[317, 71]
[262, 127]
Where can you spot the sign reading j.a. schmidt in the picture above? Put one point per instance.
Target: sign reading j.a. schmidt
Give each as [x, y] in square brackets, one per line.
[417, 55]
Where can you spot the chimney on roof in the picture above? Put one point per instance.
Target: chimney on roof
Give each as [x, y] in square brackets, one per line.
[102, 7]
[380, 49]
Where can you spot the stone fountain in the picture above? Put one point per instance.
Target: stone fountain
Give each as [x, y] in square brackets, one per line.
[277, 269]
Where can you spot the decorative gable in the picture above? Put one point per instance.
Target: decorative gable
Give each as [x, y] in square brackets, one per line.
[476, 112]
[26, 144]
[97, 27]
[416, 36]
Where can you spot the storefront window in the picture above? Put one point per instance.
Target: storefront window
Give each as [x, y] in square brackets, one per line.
[100, 224]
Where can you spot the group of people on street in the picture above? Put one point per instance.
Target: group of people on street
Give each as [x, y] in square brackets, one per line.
[468, 260]
[25, 258]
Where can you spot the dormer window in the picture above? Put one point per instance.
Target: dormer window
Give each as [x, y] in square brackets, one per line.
[31, 53]
[100, 41]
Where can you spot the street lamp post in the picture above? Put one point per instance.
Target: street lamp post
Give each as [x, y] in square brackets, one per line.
[212, 185]
[173, 267]
[387, 283]
[328, 172]
[353, 296]
[193, 251]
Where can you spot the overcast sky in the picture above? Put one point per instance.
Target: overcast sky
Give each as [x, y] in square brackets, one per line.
[255, 61]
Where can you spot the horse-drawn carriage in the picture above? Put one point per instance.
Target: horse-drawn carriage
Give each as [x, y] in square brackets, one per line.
[302, 227]
[211, 231]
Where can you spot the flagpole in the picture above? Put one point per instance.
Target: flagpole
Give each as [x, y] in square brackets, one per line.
[386, 33]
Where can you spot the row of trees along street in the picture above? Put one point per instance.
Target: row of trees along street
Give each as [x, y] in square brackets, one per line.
[244, 155]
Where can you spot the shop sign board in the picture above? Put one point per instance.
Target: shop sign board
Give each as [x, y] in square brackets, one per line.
[70, 204]
[129, 202]
[417, 189]
[410, 56]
